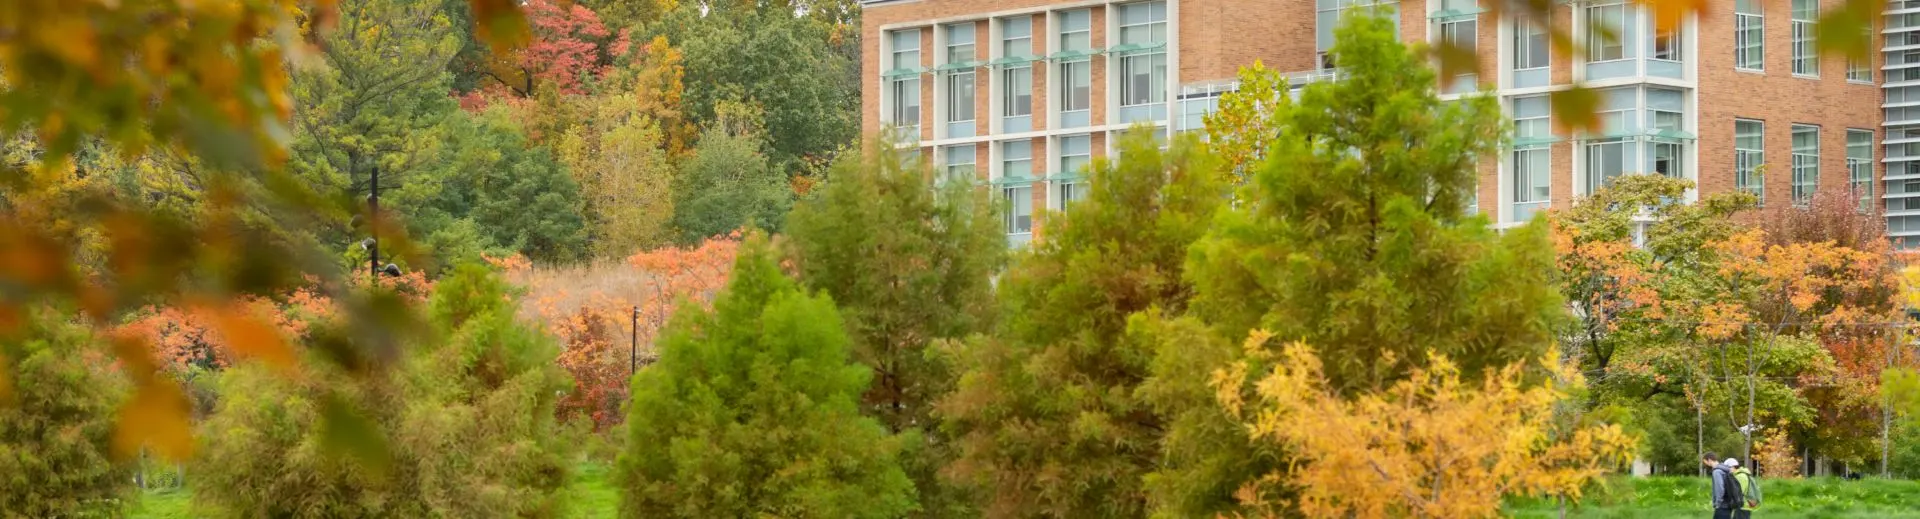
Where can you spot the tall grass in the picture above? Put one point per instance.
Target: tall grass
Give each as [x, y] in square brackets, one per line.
[1662, 497]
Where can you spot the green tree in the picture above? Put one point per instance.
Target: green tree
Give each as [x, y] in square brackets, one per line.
[56, 424]
[727, 184]
[625, 177]
[908, 264]
[518, 195]
[1353, 237]
[753, 409]
[763, 54]
[466, 415]
[1045, 414]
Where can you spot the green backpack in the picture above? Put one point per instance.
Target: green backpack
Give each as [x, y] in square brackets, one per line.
[1749, 485]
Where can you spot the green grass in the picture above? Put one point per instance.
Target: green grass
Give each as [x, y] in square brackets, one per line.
[1676, 497]
[592, 496]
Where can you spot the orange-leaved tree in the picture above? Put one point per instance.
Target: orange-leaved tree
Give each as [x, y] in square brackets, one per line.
[1429, 445]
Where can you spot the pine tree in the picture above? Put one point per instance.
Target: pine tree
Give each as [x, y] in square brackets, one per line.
[1045, 412]
[752, 410]
[1353, 237]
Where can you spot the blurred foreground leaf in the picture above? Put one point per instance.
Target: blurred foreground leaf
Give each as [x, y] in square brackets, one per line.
[345, 431]
[156, 417]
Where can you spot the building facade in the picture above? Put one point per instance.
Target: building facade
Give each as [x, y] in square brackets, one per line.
[1021, 93]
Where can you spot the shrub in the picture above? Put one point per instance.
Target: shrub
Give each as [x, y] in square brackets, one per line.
[752, 412]
[467, 417]
[56, 428]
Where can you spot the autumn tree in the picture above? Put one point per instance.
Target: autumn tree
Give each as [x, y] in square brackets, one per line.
[908, 264]
[1428, 445]
[753, 408]
[570, 48]
[1044, 414]
[465, 418]
[1352, 236]
[56, 423]
[625, 176]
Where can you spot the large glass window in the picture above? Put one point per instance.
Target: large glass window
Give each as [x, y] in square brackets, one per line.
[1806, 58]
[1749, 35]
[1019, 222]
[1143, 68]
[1327, 17]
[1016, 82]
[903, 90]
[1532, 156]
[1749, 153]
[959, 163]
[1860, 68]
[1460, 32]
[1608, 32]
[960, 82]
[1530, 54]
[1806, 162]
[1076, 152]
[1860, 166]
[1666, 111]
[1076, 74]
[1016, 159]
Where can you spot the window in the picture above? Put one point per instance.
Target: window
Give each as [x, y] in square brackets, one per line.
[1607, 32]
[1327, 17]
[1076, 75]
[960, 84]
[1016, 159]
[903, 91]
[959, 164]
[1749, 35]
[1613, 153]
[1860, 166]
[1666, 44]
[1748, 154]
[1143, 73]
[1666, 110]
[1076, 152]
[1859, 69]
[1806, 162]
[1530, 54]
[1532, 156]
[1462, 32]
[1019, 221]
[1016, 83]
[1806, 58]
[1606, 159]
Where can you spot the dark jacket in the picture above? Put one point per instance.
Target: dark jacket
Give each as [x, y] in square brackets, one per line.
[1726, 491]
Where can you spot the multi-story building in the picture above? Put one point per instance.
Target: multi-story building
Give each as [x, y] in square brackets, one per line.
[1021, 93]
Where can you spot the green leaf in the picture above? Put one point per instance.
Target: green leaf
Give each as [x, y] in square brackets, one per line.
[345, 431]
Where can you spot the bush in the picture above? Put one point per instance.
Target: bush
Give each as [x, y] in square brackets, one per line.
[467, 417]
[751, 412]
[57, 428]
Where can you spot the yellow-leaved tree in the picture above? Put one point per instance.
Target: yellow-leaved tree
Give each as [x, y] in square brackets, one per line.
[1429, 445]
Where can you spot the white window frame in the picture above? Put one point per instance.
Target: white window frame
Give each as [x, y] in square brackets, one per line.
[1335, 11]
[1749, 154]
[902, 89]
[1806, 163]
[1598, 44]
[1016, 82]
[1806, 58]
[1151, 65]
[1532, 52]
[1749, 36]
[959, 109]
[1454, 30]
[952, 167]
[1860, 166]
[1530, 165]
[1074, 103]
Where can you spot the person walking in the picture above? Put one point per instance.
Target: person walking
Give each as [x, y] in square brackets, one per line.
[1749, 489]
[1726, 493]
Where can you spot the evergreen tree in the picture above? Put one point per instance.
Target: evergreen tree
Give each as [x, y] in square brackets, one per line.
[728, 184]
[909, 264]
[1352, 236]
[518, 195]
[57, 406]
[752, 411]
[1045, 412]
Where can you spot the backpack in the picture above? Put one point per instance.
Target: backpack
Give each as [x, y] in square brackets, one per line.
[1749, 486]
[1730, 496]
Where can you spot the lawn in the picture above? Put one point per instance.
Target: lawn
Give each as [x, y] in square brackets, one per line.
[1676, 497]
[592, 494]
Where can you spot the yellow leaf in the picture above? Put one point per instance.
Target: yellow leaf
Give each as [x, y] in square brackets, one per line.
[1667, 14]
[501, 24]
[249, 335]
[71, 38]
[1455, 60]
[1575, 109]
[156, 417]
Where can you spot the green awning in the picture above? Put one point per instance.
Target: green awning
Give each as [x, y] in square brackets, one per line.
[1534, 141]
[1015, 61]
[1008, 181]
[950, 67]
[1449, 14]
[1122, 50]
[1068, 177]
[1073, 54]
[909, 71]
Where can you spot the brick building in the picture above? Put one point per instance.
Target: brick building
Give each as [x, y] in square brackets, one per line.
[1021, 93]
